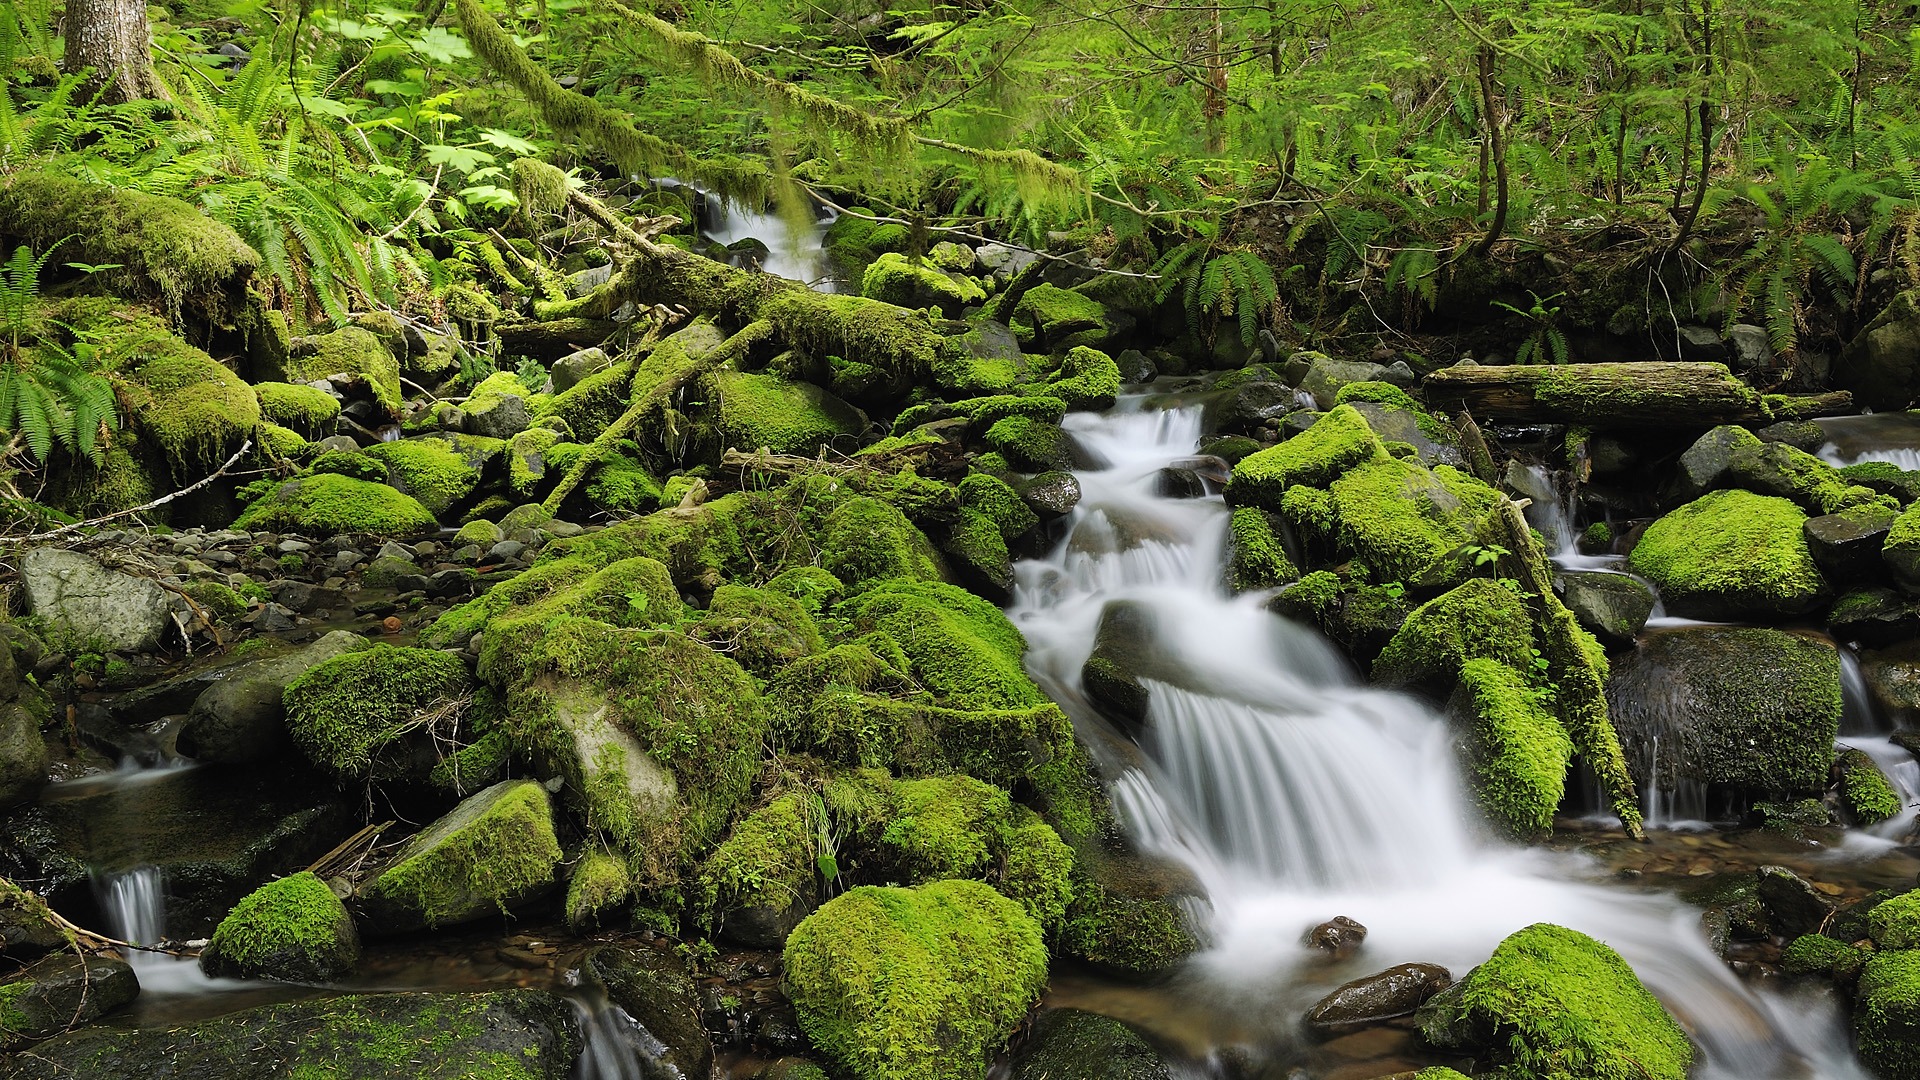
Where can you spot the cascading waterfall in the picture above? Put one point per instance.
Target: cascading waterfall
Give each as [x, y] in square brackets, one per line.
[1295, 793]
[792, 254]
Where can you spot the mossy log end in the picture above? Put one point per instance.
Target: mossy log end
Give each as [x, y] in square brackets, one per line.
[1575, 665]
[1598, 395]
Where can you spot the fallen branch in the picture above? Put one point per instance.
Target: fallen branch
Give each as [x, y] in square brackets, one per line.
[163, 500]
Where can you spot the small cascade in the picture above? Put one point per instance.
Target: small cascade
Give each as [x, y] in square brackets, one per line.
[1902, 770]
[1892, 437]
[1550, 508]
[617, 1046]
[793, 254]
[134, 904]
[1858, 714]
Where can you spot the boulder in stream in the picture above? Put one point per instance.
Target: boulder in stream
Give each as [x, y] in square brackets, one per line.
[1792, 905]
[653, 986]
[1886, 1014]
[294, 930]
[1613, 606]
[1068, 1044]
[1371, 999]
[522, 1034]
[493, 852]
[1847, 545]
[1732, 555]
[241, 717]
[97, 608]
[59, 992]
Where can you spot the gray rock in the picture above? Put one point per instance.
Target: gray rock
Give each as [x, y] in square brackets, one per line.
[500, 417]
[1051, 494]
[1400, 374]
[361, 1035]
[1892, 676]
[653, 986]
[1613, 606]
[1701, 343]
[1847, 546]
[1327, 375]
[1705, 465]
[63, 991]
[506, 549]
[1395, 992]
[1136, 366]
[1005, 262]
[1792, 904]
[1067, 1044]
[386, 571]
[1123, 654]
[1881, 365]
[344, 444]
[100, 608]
[240, 718]
[573, 367]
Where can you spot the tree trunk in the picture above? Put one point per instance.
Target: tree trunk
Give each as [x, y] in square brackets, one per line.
[1495, 147]
[111, 39]
[1647, 395]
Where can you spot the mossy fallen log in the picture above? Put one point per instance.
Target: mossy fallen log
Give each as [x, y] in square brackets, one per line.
[1598, 395]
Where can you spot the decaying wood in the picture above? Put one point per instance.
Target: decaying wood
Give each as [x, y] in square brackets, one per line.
[553, 339]
[349, 852]
[1810, 406]
[1598, 395]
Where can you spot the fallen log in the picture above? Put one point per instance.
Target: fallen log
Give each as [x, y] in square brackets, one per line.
[1598, 395]
[1810, 406]
[553, 339]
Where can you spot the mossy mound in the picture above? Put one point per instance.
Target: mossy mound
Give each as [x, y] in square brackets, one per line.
[924, 982]
[190, 409]
[294, 929]
[1816, 954]
[763, 631]
[1335, 443]
[1406, 521]
[1886, 1014]
[600, 883]
[1087, 379]
[429, 470]
[360, 714]
[1256, 557]
[895, 279]
[1865, 790]
[1030, 444]
[763, 878]
[766, 411]
[494, 851]
[1516, 751]
[1053, 319]
[1731, 555]
[300, 408]
[864, 539]
[1554, 1004]
[1895, 924]
[1478, 619]
[351, 351]
[1067, 1044]
[328, 504]
[960, 648]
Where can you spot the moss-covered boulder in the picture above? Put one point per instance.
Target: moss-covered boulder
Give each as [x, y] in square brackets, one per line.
[1731, 555]
[864, 539]
[761, 629]
[1745, 706]
[297, 407]
[368, 714]
[1478, 619]
[242, 716]
[329, 504]
[1129, 916]
[191, 410]
[351, 355]
[152, 245]
[59, 992]
[497, 408]
[294, 929]
[1336, 442]
[1067, 1044]
[1886, 1014]
[896, 279]
[924, 982]
[1052, 319]
[493, 852]
[1087, 379]
[1516, 751]
[1029, 444]
[1901, 550]
[1895, 923]
[503, 1035]
[1554, 1004]
[1865, 791]
[1256, 556]
[762, 880]
[766, 411]
[430, 470]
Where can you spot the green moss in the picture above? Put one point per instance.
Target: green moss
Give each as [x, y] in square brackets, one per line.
[1134, 936]
[529, 461]
[984, 412]
[599, 884]
[330, 504]
[1814, 954]
[188, 407]
[160, 246]
[1405, 521]
[279, 442]
[1886, 478]
[624, 484]
[1557, 1005]
[351, 463]
[1598, 537]
[1029, 444]
[1886, 1015]
[302, 408]
[1087, 379]
[591, 405]
[995, 500]
[1379, 393]
[959, 827]
[1517, 752]
[895, 279]
[352, 351]
[762, 630]
[865, 540]
[859, 330]
[1257, 559]
[1478, 619]
[221, 603]
[348, 713]
[293, 929]
[1053, 318]
[480, 532]
[429, 470]
[769, 859]
[1335, 443]
[1731, 553]
[756, 411]
[496, 847]
[1895, 923]
[962, 648]
[1864, 789]
[925, 982]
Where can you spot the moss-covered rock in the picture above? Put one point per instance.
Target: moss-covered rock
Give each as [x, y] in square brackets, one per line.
[1087, 379]
[1864, 789]
[1816, 954]
[497, 407]
[1406, 522]
[599, 884]
[1745, 706]
[304, 409]
[895, 279]
[864, 539]
[429, 470]
[1335, 443]
[1516, 751]
[1902, 549]
[294, 929]
[329, 504]
[59, 992]
[1128, 916]
[763, 631]
[1886, 1014]
[353, 352]
[1554, 1004]
[1032, 445]
[360, 714]
[761, 881]
[504, 1035]
[1053, 319]
[1067, 1044]
[756, 411]
[961, 648]
[1895, 923]
[189, 408]
[1256, 557]
[1478, 619]
[1731, 555]
[494, 851]
[924, 982]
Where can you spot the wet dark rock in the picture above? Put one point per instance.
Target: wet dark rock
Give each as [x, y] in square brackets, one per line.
[239, 718]
[1339, 937]
[1706, 464]
[1799, 434]
[1875, 617]
[271, 619]
[1179, 483]
[1136, 366]
[1613, 606]
[1892, 676]
[1067, 1044]
[452, 582]
[1881, 365]
[1792, 904]
[1297, 422]
[654, 988]
[23, 755]
[1123, 654]
[1397, 991]
[1847, 545]
[60, 992]
[1051, 494]
[422, 1036]
[1701, 342]
[27, 929]
[1750, 707]
[1247, 406]
[1399, 425]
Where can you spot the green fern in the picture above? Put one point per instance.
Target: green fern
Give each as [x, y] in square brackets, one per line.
[48, 396]
[1237, 285]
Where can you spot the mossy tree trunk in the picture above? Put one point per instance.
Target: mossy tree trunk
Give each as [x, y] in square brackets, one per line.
[111, 39]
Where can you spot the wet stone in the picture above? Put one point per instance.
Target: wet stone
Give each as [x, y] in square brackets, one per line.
[1397, 991]
[1794, 906]
[1339, 936]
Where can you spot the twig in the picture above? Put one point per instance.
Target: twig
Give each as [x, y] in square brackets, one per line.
[143, 507]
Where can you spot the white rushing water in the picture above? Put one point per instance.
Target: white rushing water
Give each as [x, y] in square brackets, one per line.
[792, 253]
[134, 904]
[1296, 793]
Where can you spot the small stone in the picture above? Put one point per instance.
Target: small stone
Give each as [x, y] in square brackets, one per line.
[506, 549]
[1792, 904]
[1397, 991]
[293, 547]
[1339, 936]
